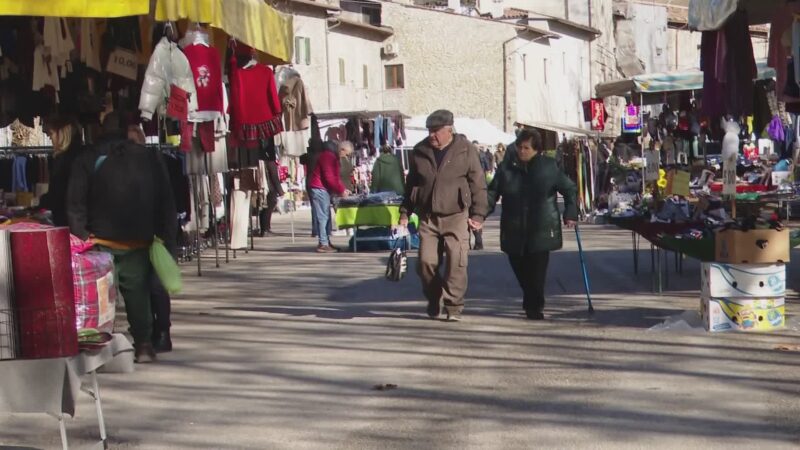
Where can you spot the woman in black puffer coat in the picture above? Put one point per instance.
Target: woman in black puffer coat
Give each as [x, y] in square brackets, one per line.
[530, 223]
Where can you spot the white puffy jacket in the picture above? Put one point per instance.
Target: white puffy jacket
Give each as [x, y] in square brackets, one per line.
[167, 66]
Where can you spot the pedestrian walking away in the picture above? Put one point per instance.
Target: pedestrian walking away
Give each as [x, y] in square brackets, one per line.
[530, 227]
[120, 197]
[446, 187]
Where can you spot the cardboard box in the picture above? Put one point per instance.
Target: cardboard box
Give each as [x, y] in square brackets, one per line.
[752, 247]
[726, 314]
[743, 280]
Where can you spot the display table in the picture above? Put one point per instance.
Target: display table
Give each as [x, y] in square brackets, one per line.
[366, 216]
[51, 386]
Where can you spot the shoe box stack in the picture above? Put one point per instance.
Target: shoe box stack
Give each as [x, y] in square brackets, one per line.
[745, 288]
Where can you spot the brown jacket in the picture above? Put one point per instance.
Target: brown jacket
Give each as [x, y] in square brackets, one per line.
[459, 185]
[296, 105]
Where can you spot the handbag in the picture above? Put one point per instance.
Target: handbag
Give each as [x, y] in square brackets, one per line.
[397, 266]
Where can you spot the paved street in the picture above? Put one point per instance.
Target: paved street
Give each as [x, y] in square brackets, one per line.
[281, 349]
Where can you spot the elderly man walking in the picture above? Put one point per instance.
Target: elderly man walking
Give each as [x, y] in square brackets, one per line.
[446, 187]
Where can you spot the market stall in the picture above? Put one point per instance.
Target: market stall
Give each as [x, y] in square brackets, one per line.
[207, 104]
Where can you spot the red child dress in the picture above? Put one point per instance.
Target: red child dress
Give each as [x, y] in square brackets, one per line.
[255, 107]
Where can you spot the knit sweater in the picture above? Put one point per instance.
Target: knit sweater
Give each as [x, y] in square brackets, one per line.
[326, 174]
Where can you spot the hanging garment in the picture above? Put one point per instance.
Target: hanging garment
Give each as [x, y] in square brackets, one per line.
[19, 177]
[254, 104]
[240, 219]
[740, 66]
[168, 65]
[780, 45]
[207, 74]
[776, 130]
[295, 143]
[58, 39]
[713, 51]
[389, 132]
[90, 44]
[45, 72]
[377, 129]
[296, 104]
[217, 160]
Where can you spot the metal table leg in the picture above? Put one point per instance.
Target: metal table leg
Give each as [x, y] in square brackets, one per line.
[94, 392]
[635, 254]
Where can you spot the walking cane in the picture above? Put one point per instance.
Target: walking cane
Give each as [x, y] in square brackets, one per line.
[583, 268]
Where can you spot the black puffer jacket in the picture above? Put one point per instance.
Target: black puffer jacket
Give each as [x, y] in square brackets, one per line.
[530, 219]
[125, 196]
[56, 198]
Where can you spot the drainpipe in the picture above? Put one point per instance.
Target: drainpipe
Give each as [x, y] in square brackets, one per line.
[506, 56]
[328, 59]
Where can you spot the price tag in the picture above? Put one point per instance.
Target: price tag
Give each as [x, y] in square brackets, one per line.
[651, 165]
[729, 177]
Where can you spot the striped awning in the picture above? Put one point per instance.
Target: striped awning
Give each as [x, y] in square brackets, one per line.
[75, 8]
[691, 80]
[252, 22]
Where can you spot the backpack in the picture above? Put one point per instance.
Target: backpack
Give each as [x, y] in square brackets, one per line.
[397, 266]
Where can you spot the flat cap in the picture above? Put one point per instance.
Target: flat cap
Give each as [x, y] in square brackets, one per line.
[439, 119]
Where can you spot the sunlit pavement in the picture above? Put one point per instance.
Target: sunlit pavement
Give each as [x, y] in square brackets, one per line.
[283, 348]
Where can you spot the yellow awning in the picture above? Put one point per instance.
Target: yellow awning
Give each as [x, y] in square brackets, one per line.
[251, 21]
[74, 8]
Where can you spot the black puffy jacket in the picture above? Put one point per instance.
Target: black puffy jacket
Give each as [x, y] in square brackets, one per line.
[530, 220]
[120, 191]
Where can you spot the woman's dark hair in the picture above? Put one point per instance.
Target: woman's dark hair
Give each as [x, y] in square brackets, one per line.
[530, 135]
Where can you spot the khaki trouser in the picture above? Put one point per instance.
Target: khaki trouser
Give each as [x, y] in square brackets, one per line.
[440, 236]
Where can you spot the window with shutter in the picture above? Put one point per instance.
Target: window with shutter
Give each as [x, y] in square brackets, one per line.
[395, 78]
[302, 50]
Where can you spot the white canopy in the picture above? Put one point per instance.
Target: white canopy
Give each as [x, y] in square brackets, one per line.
[474, 129]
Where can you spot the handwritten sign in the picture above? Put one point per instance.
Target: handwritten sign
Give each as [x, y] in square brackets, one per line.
[729, 177]
[651, 165]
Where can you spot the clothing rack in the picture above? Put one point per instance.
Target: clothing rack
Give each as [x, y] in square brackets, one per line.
[38, 150]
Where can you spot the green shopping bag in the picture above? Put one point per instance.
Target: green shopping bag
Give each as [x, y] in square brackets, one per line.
[165, 266]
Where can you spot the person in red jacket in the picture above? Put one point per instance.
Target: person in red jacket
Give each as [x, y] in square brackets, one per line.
[324, 182]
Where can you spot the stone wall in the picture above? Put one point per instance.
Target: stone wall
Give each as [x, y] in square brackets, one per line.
[450, 61]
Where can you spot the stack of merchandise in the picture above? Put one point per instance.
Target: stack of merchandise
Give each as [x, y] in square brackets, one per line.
[744, 288]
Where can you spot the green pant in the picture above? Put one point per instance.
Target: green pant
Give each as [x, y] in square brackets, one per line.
[133, 270]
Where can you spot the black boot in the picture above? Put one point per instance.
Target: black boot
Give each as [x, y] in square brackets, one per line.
[162, 343]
